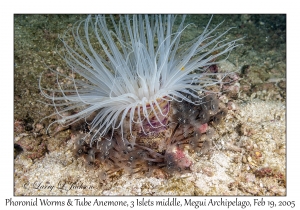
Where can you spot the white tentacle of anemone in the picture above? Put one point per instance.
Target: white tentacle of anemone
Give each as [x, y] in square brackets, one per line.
[145, 62]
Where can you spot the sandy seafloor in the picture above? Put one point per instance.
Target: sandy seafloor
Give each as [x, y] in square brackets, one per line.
[248, 156]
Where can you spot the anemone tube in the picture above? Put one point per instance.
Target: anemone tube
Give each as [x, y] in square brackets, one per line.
[145, 63]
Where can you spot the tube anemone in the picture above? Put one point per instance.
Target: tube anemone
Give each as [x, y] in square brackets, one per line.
[130, 70]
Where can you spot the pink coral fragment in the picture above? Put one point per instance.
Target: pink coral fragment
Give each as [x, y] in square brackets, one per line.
[181, 159]
[203, 128]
